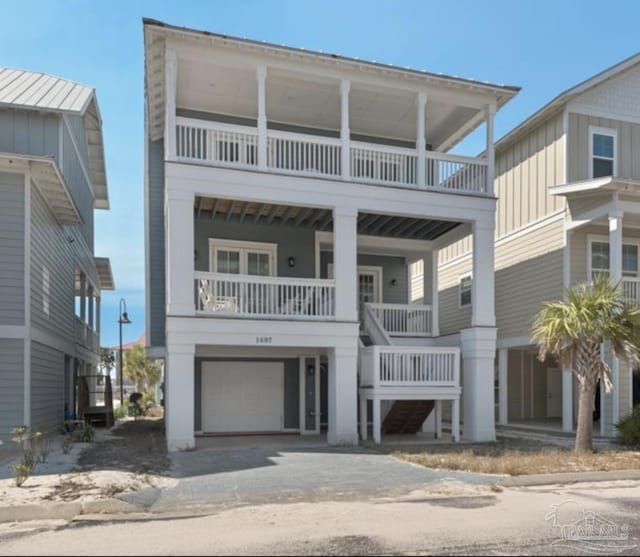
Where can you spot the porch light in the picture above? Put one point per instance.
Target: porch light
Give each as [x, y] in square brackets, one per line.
[311, 369]
[393, 282]
[292, 262]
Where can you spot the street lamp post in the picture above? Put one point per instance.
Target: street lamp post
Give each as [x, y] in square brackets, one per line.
[123, 320]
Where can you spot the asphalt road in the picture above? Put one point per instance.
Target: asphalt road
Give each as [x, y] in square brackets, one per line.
[579, 519]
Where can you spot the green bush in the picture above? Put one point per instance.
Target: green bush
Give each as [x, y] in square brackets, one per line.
[85, 433]
[629, 428]
[24, 436]
[120, 412]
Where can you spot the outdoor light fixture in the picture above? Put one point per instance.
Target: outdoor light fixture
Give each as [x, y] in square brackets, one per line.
[394, 282]
[292, 262]
[311, 369]
[124, 320]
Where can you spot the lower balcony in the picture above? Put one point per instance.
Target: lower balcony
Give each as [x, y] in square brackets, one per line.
[86, 336]
[268, 297]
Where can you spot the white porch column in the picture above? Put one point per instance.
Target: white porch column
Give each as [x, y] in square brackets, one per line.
[83, 297]
[503, 386]
[171, 81]
[482, 284]
[345, 254]
[261, 75]
[455, 419]
[90, 309]
[345, 132]
[179, 396]
[615, 272]
[435, 295]
[490, 112]
[343, 393]
[478, 356]
[377, 422]
[567, 400]
[421, 146]
[438, 417]
[180, 245]
[98, 316]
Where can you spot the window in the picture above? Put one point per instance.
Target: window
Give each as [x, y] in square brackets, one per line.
[600, 258]
[602, 152]
[465, 290]
[242, 258]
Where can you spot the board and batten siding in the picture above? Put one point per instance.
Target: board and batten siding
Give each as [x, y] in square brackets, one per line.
[52, 272]
[528, 272]
[12, 249]
[29, 133]
[47, 387]
[627, 149]
[524, 171]
[11, 386]
[155, 251]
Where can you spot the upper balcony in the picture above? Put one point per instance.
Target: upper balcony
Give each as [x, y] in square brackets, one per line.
[230, 102]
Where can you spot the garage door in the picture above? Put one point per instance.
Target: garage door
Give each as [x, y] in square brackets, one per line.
[242, 396]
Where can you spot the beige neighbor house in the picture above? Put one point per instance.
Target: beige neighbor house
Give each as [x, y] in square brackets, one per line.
[568, 187]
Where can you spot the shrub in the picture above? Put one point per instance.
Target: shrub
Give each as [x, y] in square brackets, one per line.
[629, 428]
[85, 433]
[25, 437]
[42, 446]
[120, 412]
[67, 443]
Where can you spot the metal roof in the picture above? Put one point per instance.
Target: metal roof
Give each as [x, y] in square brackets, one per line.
[103, 266]
[42, 91]
[23, 89]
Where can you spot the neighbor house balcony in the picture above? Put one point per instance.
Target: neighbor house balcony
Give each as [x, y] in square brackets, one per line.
[631, 290]
[236, 146]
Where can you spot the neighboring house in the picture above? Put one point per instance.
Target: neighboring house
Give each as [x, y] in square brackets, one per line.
[568, 187]
[52, 176]
[287, 193]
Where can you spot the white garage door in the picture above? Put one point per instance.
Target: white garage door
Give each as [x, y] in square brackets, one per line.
[242, 396]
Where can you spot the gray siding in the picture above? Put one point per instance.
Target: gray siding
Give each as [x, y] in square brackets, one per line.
[77, 183]
[11, 386]
[47, 388]
[578, 146]
[29, 133]
[52, 256]
[155, 244]
[11, 249]
[392, 268]
[291, 389]
[292, 242]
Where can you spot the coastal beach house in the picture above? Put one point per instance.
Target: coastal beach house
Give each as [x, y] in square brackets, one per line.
[52, 177]
[287, 194]
[568, 187]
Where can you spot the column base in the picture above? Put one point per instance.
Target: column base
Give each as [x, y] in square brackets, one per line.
[343, 439]
[175, 444]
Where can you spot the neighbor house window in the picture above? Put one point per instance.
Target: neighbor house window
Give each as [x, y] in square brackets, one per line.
[603, 152]
[465, 290]
[600, 258]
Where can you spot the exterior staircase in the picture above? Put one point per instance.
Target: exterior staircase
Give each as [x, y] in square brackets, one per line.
[407, 416]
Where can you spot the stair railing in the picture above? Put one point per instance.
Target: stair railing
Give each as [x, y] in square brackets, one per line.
[373, 327]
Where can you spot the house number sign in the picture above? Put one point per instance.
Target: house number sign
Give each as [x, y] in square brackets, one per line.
[264, 340]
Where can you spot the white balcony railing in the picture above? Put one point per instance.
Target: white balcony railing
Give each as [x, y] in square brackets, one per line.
[85, 335]
[222, 294]
[395, 366]
[221, 144]
[631, 290]
[404, 320]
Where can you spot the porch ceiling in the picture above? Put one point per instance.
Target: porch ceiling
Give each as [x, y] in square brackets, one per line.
[228, 210]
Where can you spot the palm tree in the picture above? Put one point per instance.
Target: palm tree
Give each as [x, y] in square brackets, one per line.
[140, 369]
[573, 331]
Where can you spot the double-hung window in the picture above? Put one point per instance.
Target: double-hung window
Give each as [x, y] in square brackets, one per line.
[602, 149]
[465, 290]
[600, 258]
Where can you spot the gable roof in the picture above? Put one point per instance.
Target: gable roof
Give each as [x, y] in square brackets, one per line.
[558, 103]
[23, 89]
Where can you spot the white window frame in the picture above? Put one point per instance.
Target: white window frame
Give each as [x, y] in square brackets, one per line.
[591, 238]
[460, 278]
[244, 248]
[612, 132]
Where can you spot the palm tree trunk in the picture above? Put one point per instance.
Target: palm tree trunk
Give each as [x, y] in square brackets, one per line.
[584, 434]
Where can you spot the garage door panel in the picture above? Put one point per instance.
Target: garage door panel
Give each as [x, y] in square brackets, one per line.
[242, 396]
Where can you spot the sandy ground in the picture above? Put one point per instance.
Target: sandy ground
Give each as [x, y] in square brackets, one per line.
[76, 476]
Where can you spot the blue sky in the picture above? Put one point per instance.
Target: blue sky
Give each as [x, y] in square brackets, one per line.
[542, 46]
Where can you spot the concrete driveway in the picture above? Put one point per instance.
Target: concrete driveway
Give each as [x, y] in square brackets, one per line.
[234, 472]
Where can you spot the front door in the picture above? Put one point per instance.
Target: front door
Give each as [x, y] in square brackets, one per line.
[369, 283]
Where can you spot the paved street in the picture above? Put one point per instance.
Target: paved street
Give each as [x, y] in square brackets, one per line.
[478, 523]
